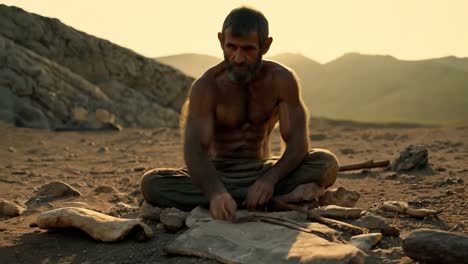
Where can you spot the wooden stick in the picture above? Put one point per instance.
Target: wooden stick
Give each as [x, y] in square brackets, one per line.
[286, 223]
[365, 165]
[327, 221]
[342, 225]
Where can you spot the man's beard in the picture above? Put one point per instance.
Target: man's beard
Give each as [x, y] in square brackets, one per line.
[242, 77]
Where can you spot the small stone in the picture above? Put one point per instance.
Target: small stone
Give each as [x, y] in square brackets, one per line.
[318, 137]
[347, 151]
[149, 212]
[173, 218]
[105, 189]
[137, 169]
[10, 209]
[103, 149]
[391, 176]
[11, 149]
[366, 241]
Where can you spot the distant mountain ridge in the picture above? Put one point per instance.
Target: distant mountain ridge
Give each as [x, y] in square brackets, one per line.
[374, 88]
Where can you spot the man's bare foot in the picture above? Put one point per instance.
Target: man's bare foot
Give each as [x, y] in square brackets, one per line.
[303, 192]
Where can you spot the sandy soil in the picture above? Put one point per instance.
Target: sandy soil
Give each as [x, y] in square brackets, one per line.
[30, 158]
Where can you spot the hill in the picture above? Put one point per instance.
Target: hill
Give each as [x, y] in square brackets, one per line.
[190, 63]
[54, 76]
[374, 88]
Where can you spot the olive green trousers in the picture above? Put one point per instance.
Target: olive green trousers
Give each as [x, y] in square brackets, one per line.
[173, 187]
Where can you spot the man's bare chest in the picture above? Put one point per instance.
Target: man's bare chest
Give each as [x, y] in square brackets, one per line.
[235, 107]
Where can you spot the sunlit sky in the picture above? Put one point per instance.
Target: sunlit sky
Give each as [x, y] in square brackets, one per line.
[322, 30]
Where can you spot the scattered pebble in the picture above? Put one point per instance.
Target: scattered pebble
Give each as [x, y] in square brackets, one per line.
[105, 189]
[138, 169]
[103, 149]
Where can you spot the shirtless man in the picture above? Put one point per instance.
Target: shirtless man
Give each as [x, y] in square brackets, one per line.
[232, 111]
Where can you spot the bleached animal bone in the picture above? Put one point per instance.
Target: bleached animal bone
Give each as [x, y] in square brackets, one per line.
[335, 211]
[403, 208]
[99, 226]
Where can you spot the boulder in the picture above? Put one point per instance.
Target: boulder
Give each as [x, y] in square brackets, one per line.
[436, 246]
[413, 157]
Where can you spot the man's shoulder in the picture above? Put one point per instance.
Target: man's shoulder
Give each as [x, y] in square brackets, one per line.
[205, 85]
[212, 73]
[278, 70]
[280, 74]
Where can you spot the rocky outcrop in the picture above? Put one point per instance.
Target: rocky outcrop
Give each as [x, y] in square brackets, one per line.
[48, 70]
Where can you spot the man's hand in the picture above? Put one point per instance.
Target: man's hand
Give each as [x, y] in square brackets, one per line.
[223, 207]
[260, 193]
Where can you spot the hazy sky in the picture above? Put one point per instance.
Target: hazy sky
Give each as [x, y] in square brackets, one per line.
[321, 30]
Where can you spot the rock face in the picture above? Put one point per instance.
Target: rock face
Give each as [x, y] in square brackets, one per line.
[49, 70]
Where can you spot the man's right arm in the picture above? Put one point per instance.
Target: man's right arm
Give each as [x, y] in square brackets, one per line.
[199, 133]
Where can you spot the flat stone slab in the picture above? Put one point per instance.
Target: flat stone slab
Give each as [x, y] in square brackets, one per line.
[257, 242]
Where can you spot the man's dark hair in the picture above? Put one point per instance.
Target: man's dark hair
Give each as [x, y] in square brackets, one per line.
[244, 20]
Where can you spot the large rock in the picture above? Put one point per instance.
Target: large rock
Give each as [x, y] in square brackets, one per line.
[413, 157]
[48, 69]
[436, 246]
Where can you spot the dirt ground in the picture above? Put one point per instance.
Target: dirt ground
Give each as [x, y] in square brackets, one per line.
[30, 158]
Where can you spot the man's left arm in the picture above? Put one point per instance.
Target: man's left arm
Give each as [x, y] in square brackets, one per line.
[293, 121]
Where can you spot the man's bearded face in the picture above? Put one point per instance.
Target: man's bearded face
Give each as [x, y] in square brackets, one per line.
[242, 56]
[243, 72]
